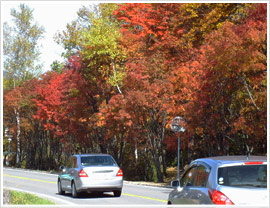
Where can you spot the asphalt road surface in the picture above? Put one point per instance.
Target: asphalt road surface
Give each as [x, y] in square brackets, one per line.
[44, 185]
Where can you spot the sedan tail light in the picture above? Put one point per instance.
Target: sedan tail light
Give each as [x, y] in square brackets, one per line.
[219, 198]
[82, 173]
[120, 172]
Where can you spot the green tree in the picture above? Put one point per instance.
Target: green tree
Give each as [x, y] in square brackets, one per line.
[95, 36]
[102, 47]
[21, 46]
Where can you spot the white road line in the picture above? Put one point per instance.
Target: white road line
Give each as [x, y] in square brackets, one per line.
[147, 186]
[32, 171]
[55, 199]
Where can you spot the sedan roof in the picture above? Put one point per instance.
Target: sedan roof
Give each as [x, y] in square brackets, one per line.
[94, 154]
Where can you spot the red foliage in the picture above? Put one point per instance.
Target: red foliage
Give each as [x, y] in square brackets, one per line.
[61, 105]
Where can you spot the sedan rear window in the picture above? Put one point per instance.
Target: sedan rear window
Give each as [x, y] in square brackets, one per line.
[97, 161]
[243, 176]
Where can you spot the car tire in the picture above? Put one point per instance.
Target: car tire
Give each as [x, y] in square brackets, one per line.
[74, 192]
[59, 185]
[117, 193]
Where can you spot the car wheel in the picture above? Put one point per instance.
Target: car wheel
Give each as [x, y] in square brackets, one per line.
[60, 190]
[117, 193]
[74, 191]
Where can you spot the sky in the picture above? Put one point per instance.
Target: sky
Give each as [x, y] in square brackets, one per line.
[53, 16]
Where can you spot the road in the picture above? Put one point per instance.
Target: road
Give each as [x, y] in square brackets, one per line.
[44, 185]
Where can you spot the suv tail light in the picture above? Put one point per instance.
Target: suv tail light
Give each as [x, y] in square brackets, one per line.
[82, 173]
[120, 172]
[219, 198]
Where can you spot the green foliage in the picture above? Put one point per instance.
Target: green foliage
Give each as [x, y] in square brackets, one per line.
[70, 39]
[20, 198]
[95, 36]
[102, 37]
[101, 41]
[21, 48]
[117, 78]
[57, 66]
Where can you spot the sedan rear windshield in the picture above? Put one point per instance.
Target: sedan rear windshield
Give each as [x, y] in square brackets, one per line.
[97, 161]
[243, 176]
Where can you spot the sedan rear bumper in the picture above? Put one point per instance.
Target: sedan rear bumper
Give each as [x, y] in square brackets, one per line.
[105, 189]
[86, 184]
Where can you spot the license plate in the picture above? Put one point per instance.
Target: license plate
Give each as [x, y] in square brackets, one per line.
[101, 176]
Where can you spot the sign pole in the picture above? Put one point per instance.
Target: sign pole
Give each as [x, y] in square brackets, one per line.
[178, 159]
[177, 126]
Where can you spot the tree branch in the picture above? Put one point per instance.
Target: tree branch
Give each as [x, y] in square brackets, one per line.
[250, 96]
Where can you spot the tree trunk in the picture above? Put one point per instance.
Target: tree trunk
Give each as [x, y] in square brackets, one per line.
[157, 166]
[155, 157]
[121, 153]
[18, 155]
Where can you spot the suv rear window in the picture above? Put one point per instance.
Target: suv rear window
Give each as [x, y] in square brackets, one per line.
[243, 176]
[97, 161]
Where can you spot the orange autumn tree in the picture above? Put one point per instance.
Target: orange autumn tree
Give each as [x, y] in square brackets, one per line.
[230, 103]
[158, 85]
[145, 86]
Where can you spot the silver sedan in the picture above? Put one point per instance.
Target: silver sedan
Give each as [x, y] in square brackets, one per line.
[90, 173]
[227, 180]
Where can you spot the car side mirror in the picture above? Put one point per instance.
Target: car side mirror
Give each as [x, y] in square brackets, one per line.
[175, 184]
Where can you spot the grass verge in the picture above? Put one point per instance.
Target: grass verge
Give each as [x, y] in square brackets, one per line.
[22, 198]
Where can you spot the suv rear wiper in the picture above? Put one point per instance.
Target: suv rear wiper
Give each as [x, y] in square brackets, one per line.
[252, 185]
